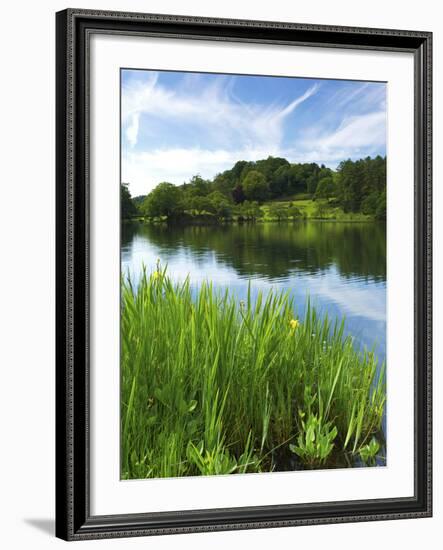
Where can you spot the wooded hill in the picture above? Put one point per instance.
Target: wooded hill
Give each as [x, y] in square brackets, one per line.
[251, 190]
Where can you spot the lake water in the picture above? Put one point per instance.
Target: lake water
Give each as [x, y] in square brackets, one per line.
[340, 266]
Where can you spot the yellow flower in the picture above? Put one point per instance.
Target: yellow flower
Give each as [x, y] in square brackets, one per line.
[156, 275]
[294, 323]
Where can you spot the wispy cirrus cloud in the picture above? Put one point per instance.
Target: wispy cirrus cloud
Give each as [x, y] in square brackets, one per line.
[355, 133]
[210, 110]
[175, 125]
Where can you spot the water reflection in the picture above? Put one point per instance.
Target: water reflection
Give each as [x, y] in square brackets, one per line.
[341, 266]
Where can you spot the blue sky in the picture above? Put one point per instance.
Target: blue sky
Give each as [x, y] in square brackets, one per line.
[178, 124]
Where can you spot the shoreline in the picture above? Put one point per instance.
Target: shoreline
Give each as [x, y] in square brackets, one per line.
[207, 223]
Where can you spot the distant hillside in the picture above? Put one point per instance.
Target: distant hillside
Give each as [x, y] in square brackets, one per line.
[356, 187]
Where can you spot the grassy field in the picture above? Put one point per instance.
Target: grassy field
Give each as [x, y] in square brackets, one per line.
[213, 386]
[310, 210]
[319, 209]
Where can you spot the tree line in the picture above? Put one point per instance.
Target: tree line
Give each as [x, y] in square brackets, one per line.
[240, 192]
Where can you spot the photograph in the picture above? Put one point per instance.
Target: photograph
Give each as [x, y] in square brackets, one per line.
[253, 274]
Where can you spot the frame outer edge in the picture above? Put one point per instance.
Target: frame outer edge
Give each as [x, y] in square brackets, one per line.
[62, 409]
[428, 266]
[65, 187]
[188, 19]
[71, 520]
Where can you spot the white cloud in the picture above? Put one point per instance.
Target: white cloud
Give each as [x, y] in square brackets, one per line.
[345, 96]
[294, 104]
[355, 138]
[355, 133]
[144, 170]
[132, 129]
[225, 129]
[212, 108]
[221, 129]
[373, 98]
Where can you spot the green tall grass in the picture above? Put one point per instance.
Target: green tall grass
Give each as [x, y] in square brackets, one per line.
[213, 386]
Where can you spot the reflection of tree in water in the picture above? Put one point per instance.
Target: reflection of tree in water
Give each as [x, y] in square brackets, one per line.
[274, 250]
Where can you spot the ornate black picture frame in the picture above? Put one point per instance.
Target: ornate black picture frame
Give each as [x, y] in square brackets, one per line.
[73, 518]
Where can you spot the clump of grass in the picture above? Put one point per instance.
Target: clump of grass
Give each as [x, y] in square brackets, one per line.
[213, 386]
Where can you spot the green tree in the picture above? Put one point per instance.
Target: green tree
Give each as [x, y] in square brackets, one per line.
[380, 212]
[325, 188]
[369, 204]
[321, 209]
[138, 201]
[349, 186]
[280, 180]
[356, 186]
[220, 205]
[254, 186]
[311, 184]
[223, 183]
[238, 194]
[268, 167]
[249, 211]
[294, 212]
[164, 200]
[128, 208]
[200, 204]
[238, 172]
[199, 186]
[278, 211]
[360, 185]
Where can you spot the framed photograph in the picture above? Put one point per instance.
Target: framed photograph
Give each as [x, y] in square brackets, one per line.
[243, 274]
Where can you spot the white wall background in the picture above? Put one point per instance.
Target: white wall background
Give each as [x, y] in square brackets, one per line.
[27, 274]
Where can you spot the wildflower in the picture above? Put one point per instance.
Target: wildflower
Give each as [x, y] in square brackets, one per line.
[156, 275]
[294, 323]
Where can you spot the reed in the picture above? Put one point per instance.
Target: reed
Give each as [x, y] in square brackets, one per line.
[213, 386]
